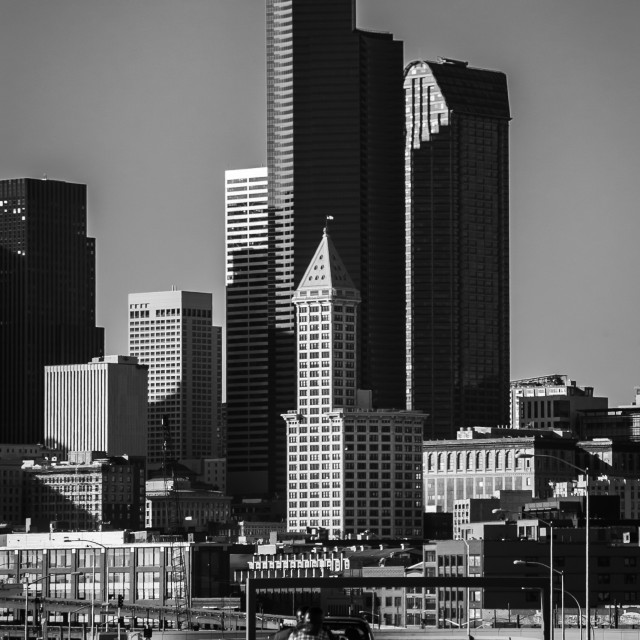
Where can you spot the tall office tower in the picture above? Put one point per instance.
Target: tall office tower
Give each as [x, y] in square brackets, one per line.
[249, 448]
[457, 229]
[47, 296]
[337, 480]
[334, 147]
[171, 332]
[99, 406]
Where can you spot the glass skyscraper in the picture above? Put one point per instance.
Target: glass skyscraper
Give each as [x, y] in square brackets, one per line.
[334, 148]
[47, 296]
[457, 233]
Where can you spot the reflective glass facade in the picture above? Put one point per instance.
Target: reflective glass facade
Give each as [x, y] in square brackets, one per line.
[334, 147]
[47, 296]
[457, 232]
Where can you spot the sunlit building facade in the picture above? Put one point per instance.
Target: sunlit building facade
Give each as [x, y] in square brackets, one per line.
[350, 468]
[171, 333]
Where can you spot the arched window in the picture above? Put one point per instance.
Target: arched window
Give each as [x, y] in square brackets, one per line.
[459, 461]
[487, 463]
[440, 462]
[469, 461]
[478, 461]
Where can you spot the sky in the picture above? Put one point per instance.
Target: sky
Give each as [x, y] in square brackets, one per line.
[149, 101]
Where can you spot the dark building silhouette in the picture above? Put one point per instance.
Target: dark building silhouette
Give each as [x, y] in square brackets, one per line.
[457, 169]
[47, 296]
[335, 125]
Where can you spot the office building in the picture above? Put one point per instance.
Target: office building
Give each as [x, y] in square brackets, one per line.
[350, 468]
[334, 148]
[171, 503]
[479, 464]
[171, 333]
[552, 401]
[47, 296]
[457, 231]
[209, 471]
[86, 492]
[99, 406]
[252, 447]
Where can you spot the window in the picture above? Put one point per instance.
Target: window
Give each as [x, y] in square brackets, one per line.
[148, 585]
[148, 557]
[60, 585]
[88, 558]
[88, 589]
[31, 559]
[60, 558]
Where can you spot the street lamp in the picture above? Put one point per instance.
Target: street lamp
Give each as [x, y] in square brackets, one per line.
[93, 580]
[529, 563]
[579, 611]
[551, 571]
[26, 597]
[584, 471]
[69, 617]
[466, 543]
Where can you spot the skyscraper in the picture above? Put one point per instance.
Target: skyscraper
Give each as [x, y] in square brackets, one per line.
[334, 147]
[337, 480]
[171, 332]
[457, 229]
[247, 326]
[47, 296]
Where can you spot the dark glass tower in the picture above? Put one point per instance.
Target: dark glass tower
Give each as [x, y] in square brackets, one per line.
[47, 296]
[457, 216]
[335, 125]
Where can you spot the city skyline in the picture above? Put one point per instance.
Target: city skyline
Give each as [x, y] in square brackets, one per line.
[130, 97]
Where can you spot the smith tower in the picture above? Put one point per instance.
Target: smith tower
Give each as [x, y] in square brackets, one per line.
[349, 468]
[457, 228]
[47, 296]
[335, 122]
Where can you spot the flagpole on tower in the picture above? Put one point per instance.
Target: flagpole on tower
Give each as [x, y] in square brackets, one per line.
[326, 224]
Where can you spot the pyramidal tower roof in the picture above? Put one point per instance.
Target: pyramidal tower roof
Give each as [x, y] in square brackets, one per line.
[326, 269]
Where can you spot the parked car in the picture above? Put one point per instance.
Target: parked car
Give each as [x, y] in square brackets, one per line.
[348, 628]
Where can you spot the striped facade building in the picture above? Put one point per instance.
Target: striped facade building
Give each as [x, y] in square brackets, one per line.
[99, 406]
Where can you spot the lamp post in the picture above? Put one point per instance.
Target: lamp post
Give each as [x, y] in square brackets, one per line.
[530, 563]
[93, 579]
[26, 597]
[585, 472]
[466, 544]
[551, 571]
[69, 618]
[579, 611]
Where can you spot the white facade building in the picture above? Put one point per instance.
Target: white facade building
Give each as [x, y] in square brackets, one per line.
[350, 469]
[171, 332]
[99, 406]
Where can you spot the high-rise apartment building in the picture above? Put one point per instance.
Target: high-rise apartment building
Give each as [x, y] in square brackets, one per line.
[349, 468]
[248, 291]
[457, 231]
[334, 147]
[99, 406]
[171, 332]
[47, 296]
